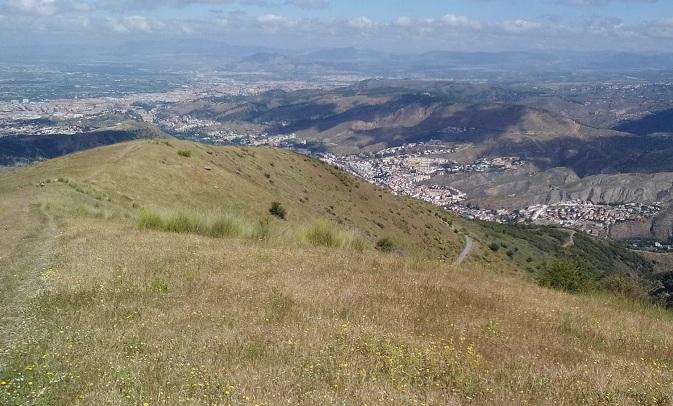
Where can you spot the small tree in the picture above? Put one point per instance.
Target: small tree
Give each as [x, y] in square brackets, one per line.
[385, 245]
[567, 275]
[278, 210]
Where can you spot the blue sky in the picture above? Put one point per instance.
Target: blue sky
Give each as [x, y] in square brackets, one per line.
[628, 10]
[394, 25]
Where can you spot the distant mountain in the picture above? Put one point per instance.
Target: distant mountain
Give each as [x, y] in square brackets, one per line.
[658, 122]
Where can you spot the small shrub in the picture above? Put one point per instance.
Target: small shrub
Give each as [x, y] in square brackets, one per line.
[278, 210]
[494, 246]
[385, 245]
[567, 275]
[510, 253]
[624, 285]
[185, 153]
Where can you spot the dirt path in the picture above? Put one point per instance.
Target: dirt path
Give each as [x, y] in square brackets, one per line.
[469, 244]
[571, 239]
[22, 263]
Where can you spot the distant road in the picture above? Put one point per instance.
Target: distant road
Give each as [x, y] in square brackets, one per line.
[571, 239]
[469, 243]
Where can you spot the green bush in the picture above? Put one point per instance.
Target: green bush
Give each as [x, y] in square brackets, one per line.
[385, 245]
[567, 275]
[185, 153]
[278, 210]
[494, 246]
[624, 285]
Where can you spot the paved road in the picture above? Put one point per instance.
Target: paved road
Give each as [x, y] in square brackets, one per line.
[469, 243]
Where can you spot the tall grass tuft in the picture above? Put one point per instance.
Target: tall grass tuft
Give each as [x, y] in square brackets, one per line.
[225, 226]
[148, 220]
[329, 235]
[322, 234]
[212, 225]
[185, 223]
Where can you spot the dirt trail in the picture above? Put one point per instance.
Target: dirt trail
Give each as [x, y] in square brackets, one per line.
[469, 244]
[22, 263]
[571, 239]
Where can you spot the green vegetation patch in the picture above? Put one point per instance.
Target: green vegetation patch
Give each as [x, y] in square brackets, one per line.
[325, 234]
[210, 224]
[567, 275]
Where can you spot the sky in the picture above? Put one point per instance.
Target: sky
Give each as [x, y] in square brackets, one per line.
[387, 25]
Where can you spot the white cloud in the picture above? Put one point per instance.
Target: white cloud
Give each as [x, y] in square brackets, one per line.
[86, 17]
[32, 7]
[662, 28]
[310, 4]
[41, 8]
[520, 26]
[134, 24]
[363, 24]
[457, 21]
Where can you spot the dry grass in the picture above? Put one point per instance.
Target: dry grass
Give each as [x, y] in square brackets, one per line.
[178, 318]
[97, 310]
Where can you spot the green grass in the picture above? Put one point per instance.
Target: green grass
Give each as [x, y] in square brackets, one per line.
[226, 225]
[324, 234]
[217, 224]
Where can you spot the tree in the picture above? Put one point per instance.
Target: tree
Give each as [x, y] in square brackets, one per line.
[567, 275]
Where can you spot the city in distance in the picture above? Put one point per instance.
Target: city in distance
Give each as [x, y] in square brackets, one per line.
[322, 202]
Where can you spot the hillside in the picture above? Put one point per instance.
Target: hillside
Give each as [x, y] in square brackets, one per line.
[657, 122]
[151, 272]
[378, 114]
[25, 149]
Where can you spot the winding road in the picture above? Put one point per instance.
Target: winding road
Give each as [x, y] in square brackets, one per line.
[469, 244]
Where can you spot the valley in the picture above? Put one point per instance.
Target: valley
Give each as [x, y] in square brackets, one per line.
[498, 152]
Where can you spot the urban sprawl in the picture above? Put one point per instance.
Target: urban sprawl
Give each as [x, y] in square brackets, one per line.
[405, 169]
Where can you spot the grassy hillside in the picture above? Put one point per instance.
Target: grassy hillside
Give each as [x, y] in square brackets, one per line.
[101, 307]
[121, 180]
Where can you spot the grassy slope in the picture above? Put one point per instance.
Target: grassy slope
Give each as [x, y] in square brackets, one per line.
[96, 311]
[246, 181]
